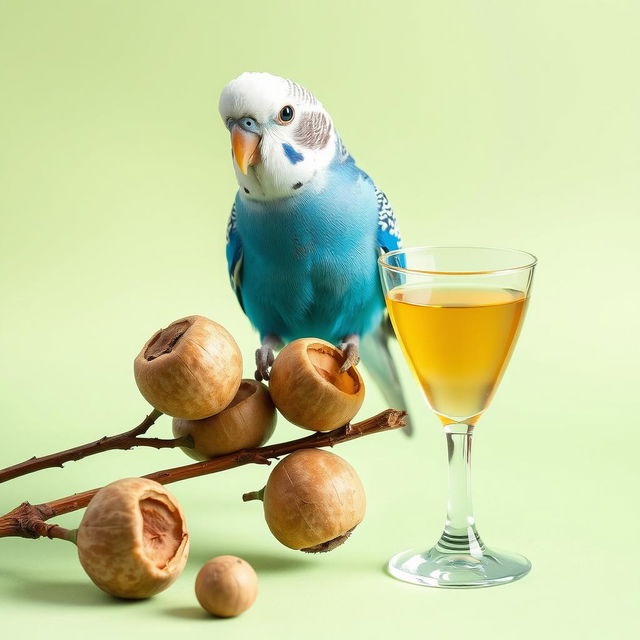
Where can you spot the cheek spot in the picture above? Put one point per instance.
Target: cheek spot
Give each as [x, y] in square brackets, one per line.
[246, 190]
[297, 185]
[293, 155]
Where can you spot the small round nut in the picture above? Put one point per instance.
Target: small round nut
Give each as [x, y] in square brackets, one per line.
[192, 369]
[309, 389]
[133, 541]
[226, 586]
[249, 421]
[313, 500]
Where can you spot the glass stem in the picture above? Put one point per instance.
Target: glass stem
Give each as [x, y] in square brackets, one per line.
[460, 534]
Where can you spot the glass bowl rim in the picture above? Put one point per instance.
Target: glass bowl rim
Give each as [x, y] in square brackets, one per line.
[384, 265]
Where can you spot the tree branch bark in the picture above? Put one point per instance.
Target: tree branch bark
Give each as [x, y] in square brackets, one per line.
[126, 440]
[29, 521]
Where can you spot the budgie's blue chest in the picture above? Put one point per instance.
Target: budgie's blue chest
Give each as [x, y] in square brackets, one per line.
[309, 261]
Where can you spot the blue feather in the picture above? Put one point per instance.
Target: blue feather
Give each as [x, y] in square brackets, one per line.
[293, 155]
[234, 255]
[306, 265]
[309, 266]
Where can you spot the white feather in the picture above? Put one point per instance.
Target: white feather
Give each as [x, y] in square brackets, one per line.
[261, 96]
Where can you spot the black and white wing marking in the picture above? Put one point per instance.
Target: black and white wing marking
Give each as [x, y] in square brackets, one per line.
[388, 228]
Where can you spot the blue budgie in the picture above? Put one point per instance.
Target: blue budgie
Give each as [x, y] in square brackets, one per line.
[306, 229]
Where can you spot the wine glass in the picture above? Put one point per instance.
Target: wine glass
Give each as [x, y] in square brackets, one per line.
[457, 312]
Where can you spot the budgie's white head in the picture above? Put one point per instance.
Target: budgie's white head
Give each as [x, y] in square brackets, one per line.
[281, 137]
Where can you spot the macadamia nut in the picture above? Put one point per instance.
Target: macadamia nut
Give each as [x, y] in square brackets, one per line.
[226, 586]
[133, 541]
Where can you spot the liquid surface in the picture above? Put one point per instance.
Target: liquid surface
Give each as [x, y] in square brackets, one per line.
[458, 342]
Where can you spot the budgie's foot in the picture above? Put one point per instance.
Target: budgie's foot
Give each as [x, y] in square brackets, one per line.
[349, 346]
[265, 357]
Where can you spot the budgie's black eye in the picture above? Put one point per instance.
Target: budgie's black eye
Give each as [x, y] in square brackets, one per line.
[286, 114]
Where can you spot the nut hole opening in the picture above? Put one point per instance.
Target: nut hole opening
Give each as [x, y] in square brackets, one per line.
[327, 363]
[161, 531]
[166, 339]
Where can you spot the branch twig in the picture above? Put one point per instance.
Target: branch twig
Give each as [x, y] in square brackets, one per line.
[126, 440]
[29, 521]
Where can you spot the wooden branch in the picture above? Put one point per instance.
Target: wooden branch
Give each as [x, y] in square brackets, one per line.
[126, 440]
[28, 521]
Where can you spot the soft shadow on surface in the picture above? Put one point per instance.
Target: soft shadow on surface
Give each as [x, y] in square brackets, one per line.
[261, 562]
[189, 613]
[58, 592]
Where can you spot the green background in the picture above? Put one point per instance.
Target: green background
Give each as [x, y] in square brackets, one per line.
[500, 123]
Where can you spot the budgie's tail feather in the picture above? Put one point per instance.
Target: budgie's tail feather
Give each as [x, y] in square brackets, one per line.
[376, 357]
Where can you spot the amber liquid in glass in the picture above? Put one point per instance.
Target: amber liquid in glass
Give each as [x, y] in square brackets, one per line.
[458, 342]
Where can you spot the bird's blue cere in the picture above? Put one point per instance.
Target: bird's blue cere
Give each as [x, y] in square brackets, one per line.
[293, 155]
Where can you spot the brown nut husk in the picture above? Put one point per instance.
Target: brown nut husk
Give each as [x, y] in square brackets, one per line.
[309, 389]
[226, 586]
[249, 421]
[313, 500]
[192, 369]
[133, 541]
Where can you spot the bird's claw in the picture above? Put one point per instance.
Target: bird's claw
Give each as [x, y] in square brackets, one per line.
[264, 360]
[351, 355]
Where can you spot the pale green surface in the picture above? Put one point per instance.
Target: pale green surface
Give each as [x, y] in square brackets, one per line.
[498, 123]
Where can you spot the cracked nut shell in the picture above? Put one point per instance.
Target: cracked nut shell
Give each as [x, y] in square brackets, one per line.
[313, 500]
[226, 586]
[249, 421]
[191, 370]
[309, 389]
[133, 541]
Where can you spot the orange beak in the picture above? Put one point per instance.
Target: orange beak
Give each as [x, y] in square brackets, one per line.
[245, 147]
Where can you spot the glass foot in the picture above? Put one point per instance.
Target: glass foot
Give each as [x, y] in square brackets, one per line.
[434, 568]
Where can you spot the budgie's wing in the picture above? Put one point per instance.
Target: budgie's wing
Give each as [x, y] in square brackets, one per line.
[375, 354]
[374, 346]
[388, 229]
[234, 255]
[388, 237]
